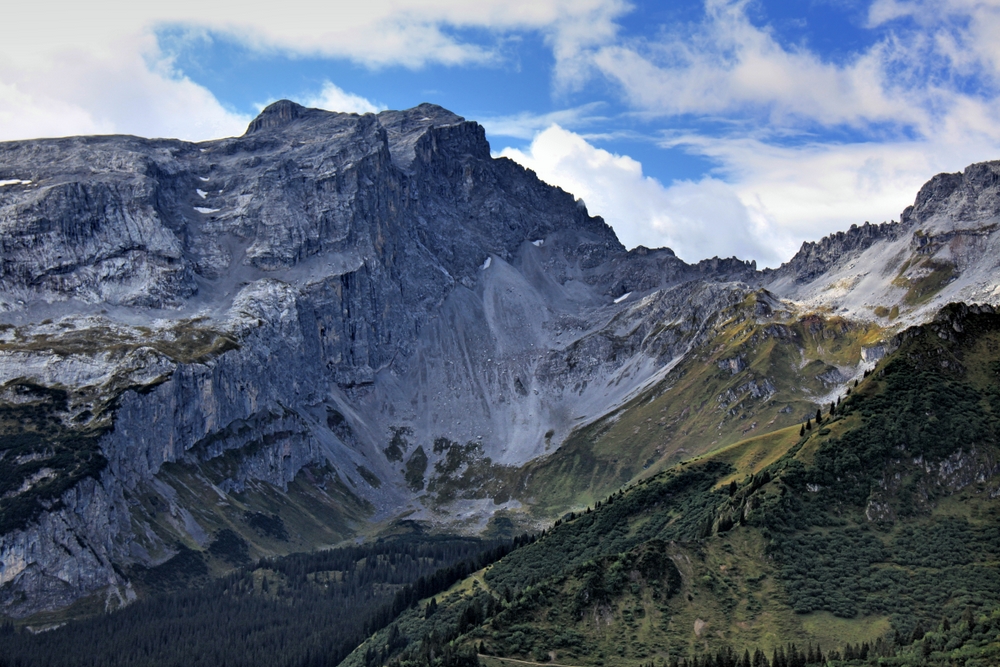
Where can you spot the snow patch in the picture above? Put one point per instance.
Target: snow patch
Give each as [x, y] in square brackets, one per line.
[14, 181]
[202, 193]
[538, 243]
[202, 209]
[204, 179]
[487, 263]
[623, 297]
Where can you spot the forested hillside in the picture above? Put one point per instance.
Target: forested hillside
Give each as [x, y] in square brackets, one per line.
[306, 609]
[870, 532]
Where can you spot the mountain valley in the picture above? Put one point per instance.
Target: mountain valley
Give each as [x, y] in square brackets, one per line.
[343, 329]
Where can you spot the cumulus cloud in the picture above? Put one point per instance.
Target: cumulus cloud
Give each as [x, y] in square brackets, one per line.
[333, 98]
[697, 219]
[762, 201]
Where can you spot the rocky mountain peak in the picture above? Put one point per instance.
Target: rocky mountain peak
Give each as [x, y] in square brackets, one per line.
[949, 200]
[277, 114]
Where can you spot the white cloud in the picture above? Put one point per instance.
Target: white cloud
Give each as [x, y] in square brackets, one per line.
[73, 68]
[123, 85]
[964, 32]
[696, 219]
[727, 64]
[333, 98]
[804, 192]
[763, 201]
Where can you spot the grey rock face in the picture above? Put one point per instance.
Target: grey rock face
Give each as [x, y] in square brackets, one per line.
[970, 196]
[946, 248]
[348, 258]
[327, 290]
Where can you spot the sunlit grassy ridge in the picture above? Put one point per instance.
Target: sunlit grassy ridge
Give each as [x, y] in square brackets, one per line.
[763, 369]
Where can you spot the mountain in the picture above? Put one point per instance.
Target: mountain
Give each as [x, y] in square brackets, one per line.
[292, 338]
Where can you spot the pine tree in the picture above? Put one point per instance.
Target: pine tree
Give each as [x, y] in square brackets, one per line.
[802, 430]
[809, 425]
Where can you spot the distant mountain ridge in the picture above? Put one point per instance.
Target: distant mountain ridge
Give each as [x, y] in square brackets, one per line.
[337, 319]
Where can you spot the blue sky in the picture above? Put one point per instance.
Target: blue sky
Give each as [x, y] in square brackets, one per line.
[715, 127]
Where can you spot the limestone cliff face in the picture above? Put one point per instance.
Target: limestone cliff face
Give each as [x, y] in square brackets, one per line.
[285, 299]
[318, 321]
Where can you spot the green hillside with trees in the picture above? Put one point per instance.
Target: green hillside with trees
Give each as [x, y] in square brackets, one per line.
[869, 535]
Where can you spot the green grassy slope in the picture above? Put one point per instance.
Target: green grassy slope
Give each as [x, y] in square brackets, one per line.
[877, 527]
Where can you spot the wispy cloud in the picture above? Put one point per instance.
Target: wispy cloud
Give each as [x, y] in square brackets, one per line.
[526, 125]
[915, 75]
[726, 65]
